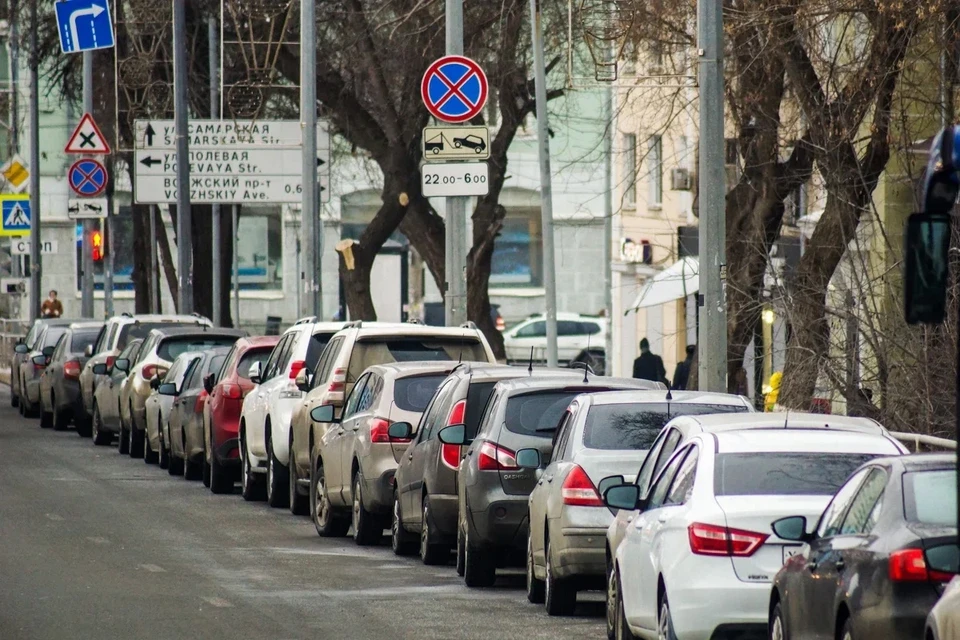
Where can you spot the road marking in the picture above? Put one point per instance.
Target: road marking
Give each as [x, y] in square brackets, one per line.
[220, 603]
[98, 540]
[55, 517]
[152, 568]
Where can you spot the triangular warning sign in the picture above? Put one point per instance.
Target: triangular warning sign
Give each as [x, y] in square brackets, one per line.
[87, 138]
[16, 218]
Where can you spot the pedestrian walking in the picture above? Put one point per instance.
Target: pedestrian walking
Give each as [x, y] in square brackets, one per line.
[51, 307]
[681, 375]
[649, 366]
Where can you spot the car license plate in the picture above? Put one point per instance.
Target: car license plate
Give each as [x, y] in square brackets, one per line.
[791, 550]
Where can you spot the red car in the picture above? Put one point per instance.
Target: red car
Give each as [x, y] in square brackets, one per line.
[221, 412]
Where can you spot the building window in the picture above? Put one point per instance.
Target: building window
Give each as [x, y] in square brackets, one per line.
[260, 249]
[630, 170]
[120, 245]
[518, 251]
[655, 173]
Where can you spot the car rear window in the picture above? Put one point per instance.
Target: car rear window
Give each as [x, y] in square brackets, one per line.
[372, 351]
[930, 497]
[250, 358]
[477, 397]
[784, 474]
[636, 426]
[83, 339]
[537, 414]
[170, 348]
[136, 330]
[52, 335]
[415, 392]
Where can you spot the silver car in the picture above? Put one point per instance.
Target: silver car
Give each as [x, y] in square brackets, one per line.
[157, 406]
[599, 435]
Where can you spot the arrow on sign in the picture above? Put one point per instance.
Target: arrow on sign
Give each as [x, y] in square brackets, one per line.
[92, 11]
[149, 162]
[320, 162]
[150, 133]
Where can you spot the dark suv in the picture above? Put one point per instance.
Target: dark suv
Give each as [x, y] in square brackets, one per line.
[493, 490]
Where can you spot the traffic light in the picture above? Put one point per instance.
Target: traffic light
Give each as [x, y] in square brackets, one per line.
[96, 241]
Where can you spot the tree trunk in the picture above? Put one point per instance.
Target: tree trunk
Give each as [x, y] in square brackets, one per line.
[201, 229]
[143, 277]
[165, 256]
[356, 286]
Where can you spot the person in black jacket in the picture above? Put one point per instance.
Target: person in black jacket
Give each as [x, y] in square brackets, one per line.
[649, 366]
[681, 374]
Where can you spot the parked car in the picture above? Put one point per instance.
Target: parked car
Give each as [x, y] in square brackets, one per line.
[600, 434]
[493, 488]
[358, 457]
[265, 416]
[32, 368]
[114, 337]
[943, 623]
[356, 347]
[878, 559]
[161, 347]
[185, 424]
[126, 393]
[23, 347]
[157, 407]
[700, 543]
[60, 400]
[221, 413]
[106, 399]
[580, 338]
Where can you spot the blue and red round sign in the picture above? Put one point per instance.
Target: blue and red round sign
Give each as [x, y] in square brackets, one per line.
[87, 177]
[454, 89]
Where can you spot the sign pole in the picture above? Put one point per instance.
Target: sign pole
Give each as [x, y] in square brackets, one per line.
[154, 267]
[36, 260]
[455, 289]
[86, 254]
[215, 113]
[184, 237]
[308, 120]
[236, 271]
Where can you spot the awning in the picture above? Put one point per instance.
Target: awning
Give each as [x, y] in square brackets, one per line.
[679, 280]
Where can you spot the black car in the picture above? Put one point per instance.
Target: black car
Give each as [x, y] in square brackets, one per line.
[60, 400]
[879, 558]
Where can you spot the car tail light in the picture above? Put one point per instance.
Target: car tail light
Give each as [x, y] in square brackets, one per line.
[110, 361]
[71, 369]
[149, 371]
[339, 381]
[198, 403]
[450, 453]
[232, 391]
[501, 325]
[39, 367]
[578, 490]
[296, 367]
[910, 565]
[378, 432]
[496, 458]
[711, 540]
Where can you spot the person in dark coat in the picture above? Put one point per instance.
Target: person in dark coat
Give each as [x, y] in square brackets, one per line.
[649, 366]
[681, 374]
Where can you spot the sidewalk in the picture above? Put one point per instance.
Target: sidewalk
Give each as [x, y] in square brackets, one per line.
[5, 376]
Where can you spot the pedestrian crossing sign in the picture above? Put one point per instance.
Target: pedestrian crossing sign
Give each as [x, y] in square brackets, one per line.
[14, 215]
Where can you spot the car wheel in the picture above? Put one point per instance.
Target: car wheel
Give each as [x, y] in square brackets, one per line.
[221, 478]
[123, 442]
[149, 455]
[535, 586]
[299, 505]
[847, 633]
[164, 452]
[367, 527]
[431, 553]
[100, 438]
[479, 568]
[175, 467]
[560, 596]
[328, 523]
[778, 627]
[46, 418]
[277, 479]
[206, 464]
[136, 438]
[84, 425]
[251, 484]
[665, 621]
[61, 419]
[191, 468]
[612, 594]
[401, 540]
[623, 630]
[461, 552]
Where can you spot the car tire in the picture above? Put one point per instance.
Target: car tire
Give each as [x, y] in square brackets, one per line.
[479, 565]
[328, 523]
[778, 626]
[175, 467]
[535, 586]
[221, 478]
[100, 437]
[123, 442]
[847, 631]
[402, 541]
[84, 425]
[367, 526]
[623, 630]
[164, 453]
[560, 596]
[252, 485]
[149, 455]
[206, 464]
[61, 419]
[611, 602]
[431, 553]
[136, 439]
[665, 620]
[299, 503]
[278, 489]
[46, 418]
[461, 552]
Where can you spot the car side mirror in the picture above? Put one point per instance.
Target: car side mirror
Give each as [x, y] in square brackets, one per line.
[122, 364]
[303, 380]
[88, 352]
[208, 382]
[155, 382]
[40, 360]
[167, 389]
[324, 413]
[528, 458]
[100, 369]
[609, 481]
[47, 351]
[256, 372]
[400, 431]
[622, 496]
[454, 434]
[793, 528]
[21, 348]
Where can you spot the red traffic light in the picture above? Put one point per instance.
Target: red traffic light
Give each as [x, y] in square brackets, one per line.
[96, 240]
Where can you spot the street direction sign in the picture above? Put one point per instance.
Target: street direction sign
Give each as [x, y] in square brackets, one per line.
[21, 246]
[227, 134]
[84, 25]
[245, 163]
[87, 177]
[454, 89]
[209, 189]
[87, 138]
[16, 174]
[455, 143]
[86, 208]
[14, 215]
[454, 179]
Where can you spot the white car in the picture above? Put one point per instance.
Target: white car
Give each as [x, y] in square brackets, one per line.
[943, 623]
[699, 558]
[580, 338]
[265, 416]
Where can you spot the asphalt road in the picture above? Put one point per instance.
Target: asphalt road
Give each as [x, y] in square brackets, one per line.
[97, 545]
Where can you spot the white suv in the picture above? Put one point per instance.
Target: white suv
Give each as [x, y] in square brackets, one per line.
[580, 338]
[265, 417]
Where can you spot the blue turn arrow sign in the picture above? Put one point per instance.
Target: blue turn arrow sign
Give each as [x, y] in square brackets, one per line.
[84, 25]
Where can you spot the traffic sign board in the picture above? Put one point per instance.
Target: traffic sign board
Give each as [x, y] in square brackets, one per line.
[455, 143]
[227, 134]
[454, 179]
[21, 246]
[454, 89]
[157, 189]
[87, 177]
[85, 208]
[84, 25]
[255, 162]
[14, 215]
[15, 173]
[87, 138]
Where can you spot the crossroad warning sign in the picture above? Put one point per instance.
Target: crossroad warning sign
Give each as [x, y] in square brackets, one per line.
[14, 215]
[87, 138]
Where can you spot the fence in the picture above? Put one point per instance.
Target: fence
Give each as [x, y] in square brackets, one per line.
[929, 442]
[10, 332]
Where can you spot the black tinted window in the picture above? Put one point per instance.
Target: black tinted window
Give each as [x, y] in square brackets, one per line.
[415, 393]
[81, 340]
[170, 348]
[140, 330]
[783, 474]
[315, 347]
[537, 414]
[930, 497]
[636, 426]
[250, 358]
[477, 397]
[52, 337]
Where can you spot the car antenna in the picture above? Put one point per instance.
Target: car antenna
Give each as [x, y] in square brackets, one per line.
[786, 419]
[669, 399]
[530, 366]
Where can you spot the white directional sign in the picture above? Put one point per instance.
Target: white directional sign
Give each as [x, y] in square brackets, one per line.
[21, 246]
[85, 208]
[232, 162]
[454, 179]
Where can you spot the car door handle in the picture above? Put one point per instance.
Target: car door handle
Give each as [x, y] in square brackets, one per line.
[662, 518]
[410, 456]
[841, 565]
[548, 478]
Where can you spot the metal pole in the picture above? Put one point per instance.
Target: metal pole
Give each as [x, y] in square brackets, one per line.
[86, 255]
[154, 267]
[608, 228]
[236, 272]
[546, 189]
[108, 267]
[16, 262]
[36, 260]
[308, 124]
[712, 341]
[184, 239]
[213, 60]
[455, 266]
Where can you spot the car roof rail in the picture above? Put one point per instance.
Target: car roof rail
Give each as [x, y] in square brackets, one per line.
[414, 320]
[307, 320]
[354, 323]
[126, 314]
[469, 324]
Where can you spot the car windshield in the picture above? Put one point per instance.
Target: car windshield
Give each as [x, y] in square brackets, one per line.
[250, 358]
[170, 348]
[315, 347]
[372, 351]
[783, 474]
[930, 497]
[137, 330]
[83, 339]
[538, 413]
[636, 426]
[415, 392]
